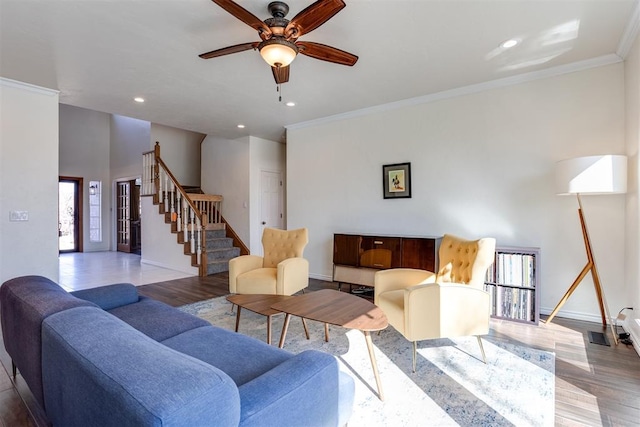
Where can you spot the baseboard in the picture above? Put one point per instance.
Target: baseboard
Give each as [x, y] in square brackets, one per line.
[632, 326]
[321, 277]
[191, 270]
[575, 315]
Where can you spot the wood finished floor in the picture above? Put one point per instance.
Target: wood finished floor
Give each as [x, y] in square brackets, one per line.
[595, 385]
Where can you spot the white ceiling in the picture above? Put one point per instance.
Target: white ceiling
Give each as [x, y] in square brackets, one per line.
[100, 54]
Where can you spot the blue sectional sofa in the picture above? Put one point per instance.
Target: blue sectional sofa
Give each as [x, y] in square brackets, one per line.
[109, 357]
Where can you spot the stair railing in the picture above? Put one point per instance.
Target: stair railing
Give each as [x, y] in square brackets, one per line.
[192, 213]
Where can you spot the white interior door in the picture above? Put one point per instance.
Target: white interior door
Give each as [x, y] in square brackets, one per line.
[271, 195]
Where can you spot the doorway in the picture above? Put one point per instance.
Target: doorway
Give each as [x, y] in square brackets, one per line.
[69, 214]
[271, 195]
[128, 217]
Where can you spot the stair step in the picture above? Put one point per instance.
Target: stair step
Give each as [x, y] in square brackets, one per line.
[219, 243]
[216, 234]
[222, 254]
[217, 267]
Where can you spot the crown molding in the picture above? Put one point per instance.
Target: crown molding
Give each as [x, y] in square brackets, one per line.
[630, 33]
[466, 90]
[28, 86]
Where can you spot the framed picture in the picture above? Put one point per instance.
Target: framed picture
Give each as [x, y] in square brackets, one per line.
[396, 181]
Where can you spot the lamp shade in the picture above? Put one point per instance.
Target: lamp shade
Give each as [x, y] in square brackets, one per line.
[605, 174]
[278, 52]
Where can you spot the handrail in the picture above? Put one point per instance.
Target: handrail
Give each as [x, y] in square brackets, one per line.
[179, 187]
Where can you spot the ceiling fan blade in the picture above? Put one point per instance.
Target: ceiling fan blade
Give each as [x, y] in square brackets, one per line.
[280, 74]
[326, 53]
[244, 15]
[229, 50]
[312, 17]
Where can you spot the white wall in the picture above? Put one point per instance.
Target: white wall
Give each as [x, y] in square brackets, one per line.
[225, 171]
[28, 180]
[84, 152]
[267, 156]
[232, 169]
[159, 246]
[632, 277]
[129, 139]
[180, 150]
[482, 165]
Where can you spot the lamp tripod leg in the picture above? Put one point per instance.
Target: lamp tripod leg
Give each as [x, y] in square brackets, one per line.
[567, 294]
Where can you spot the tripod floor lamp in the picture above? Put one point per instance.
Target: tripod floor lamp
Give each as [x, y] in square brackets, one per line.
[593, 175]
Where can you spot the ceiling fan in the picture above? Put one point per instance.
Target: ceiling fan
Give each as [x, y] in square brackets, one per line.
[280, 45]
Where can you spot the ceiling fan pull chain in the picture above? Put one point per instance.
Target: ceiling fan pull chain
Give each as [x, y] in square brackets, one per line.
[279, 90]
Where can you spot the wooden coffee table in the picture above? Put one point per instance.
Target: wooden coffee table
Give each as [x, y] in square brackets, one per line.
[340, 309]
[261, 304]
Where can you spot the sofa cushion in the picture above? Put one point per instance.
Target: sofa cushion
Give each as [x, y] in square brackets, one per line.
[157, 319]
[241, 357]
[24, 303]
[109, 297]
[99, 371]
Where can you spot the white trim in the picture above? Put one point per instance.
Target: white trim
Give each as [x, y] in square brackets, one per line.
[575, 315]
[630, 33]
[636, 341]
[321, 277]
[28, 86]
[466, 90]
[170, 267]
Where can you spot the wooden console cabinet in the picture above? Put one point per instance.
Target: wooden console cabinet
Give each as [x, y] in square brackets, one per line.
[357, 257]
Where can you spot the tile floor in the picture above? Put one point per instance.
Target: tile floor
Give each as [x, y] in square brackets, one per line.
[91, 269]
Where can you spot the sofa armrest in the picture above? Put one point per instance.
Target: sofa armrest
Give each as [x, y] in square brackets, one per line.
[240, 265]
[292, 275]
[111, 296]
[303, 390]
[400, 278]
[99, 371]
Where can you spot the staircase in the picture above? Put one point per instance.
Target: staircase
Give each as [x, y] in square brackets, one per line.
[220, 250]
[194, 217]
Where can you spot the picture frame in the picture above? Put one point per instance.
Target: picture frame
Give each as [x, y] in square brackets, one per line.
[396, 181]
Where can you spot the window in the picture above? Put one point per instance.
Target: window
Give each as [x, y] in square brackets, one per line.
[95, 211]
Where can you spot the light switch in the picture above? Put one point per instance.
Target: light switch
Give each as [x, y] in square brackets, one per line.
[19, 216]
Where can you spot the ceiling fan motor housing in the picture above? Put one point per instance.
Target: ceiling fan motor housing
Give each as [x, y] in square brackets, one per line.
[278, 9]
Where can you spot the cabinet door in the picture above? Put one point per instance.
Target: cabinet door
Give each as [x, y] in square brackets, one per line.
[345, 249]
[419, 253]
[380, 252]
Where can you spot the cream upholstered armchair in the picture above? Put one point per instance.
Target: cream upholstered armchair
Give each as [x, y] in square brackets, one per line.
[423, 305]
[282, 270]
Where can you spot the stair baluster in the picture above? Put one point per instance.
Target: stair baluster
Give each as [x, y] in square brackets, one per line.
[160, 193]
[172, 195]
[185, 220]
[193, 225]
[199, 242]
[178, 211]
[166, 192]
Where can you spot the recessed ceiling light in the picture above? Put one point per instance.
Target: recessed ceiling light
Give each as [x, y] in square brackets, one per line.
[138, 99]
[291, 104]
[240, 126]
[510, 43]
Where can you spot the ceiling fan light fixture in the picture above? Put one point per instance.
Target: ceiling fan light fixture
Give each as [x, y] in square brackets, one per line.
[278, 52]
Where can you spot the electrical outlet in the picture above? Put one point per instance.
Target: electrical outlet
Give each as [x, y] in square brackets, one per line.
[19, 216]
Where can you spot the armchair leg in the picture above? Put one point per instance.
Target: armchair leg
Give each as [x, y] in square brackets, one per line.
[415, 351]
[484, 358]
[13, 369]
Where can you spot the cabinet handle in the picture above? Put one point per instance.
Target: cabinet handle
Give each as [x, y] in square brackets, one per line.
[377, 242]
[378, 265]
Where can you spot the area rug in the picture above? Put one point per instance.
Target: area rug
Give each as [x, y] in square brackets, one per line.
[451, 385]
